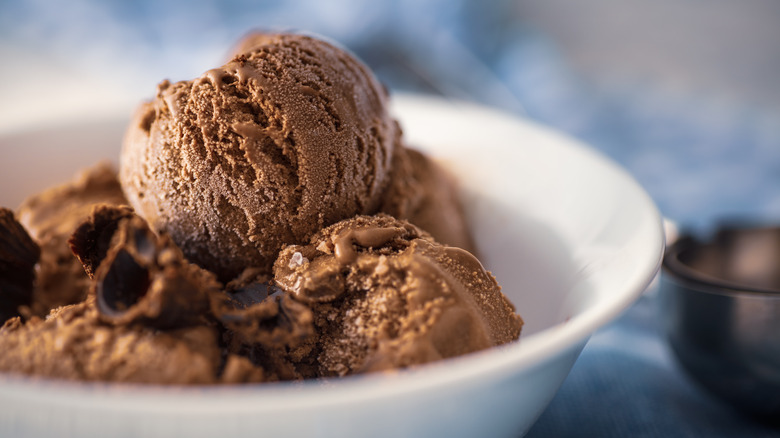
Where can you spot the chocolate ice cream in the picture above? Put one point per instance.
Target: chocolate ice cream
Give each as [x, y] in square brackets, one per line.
[419, 190]
[261, 152]
[152, 317]
[385, 295]
[266, 239]
[51, 217]
[293, 134]
[423, 193]
[72, 343]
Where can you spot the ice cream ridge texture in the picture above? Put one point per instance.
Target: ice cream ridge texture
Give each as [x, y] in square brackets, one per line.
[290, 136]
[267, 223]
[384, 295]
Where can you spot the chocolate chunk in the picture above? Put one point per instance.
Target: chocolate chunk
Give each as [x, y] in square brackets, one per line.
[18, 256]
[250, 287]
[124, 285]
[260, 313]
[92, 239]
[145, 279]
[312, 281]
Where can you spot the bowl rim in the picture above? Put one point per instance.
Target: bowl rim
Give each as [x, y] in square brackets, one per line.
[497, 362]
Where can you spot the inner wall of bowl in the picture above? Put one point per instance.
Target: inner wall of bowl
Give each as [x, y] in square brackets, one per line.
[529, 260]
[35, 160]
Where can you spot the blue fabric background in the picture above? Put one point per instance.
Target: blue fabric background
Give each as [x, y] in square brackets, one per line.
[703, 154]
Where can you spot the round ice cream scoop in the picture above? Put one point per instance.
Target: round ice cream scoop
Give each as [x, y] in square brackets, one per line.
[288, 137]
[385, 295]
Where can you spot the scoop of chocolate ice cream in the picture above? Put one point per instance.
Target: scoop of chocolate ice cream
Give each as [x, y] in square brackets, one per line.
[151, 316]
[256, 312]
[72, 343]
[264, 151]
[385, 295]
[419, 190]
[423, 193]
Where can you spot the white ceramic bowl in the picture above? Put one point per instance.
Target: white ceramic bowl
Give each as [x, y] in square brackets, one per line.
[570, 236]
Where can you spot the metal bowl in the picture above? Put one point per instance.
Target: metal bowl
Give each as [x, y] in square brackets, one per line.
[721, 310]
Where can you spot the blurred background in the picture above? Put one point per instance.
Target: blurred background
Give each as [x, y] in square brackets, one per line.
[684, 93]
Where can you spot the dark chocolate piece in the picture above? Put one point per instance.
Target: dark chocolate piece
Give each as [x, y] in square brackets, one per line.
[18, 256]
[145, 279]
[92, 239]
[261, 313]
